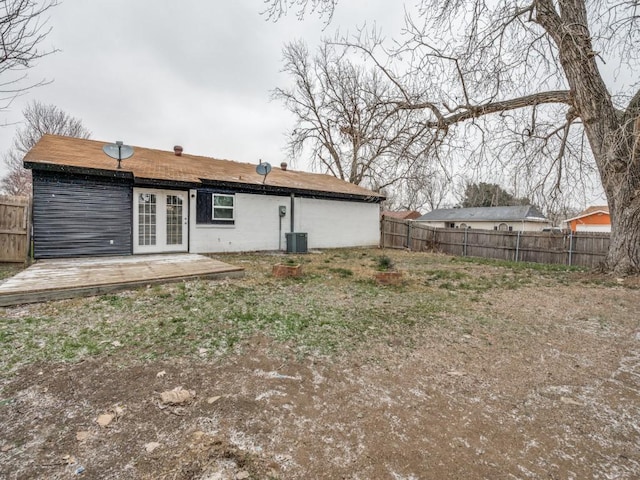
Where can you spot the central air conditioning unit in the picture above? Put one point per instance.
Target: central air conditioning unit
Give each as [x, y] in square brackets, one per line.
[296, 242]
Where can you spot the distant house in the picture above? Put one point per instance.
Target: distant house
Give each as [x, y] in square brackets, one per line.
[167, 201]
[593, 219]
[525, 218]
[402, 214]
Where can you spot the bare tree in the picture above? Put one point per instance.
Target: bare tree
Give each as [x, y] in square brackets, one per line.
[343, 122]
[18, 179]
[23, 27]
[39, 119]
[529, 74]
[424, 188]
[277, 8]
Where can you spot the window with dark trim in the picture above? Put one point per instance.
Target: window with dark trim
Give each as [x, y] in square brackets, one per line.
[223, 207]
[215, 208]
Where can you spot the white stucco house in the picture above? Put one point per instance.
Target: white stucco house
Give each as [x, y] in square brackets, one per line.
[170, 201]
[523, 218]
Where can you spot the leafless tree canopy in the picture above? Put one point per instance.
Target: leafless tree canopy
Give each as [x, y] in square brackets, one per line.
[39, 119]
[274, 9]
[23, 27]
[346, 126]
[17, 181]
[525, 79]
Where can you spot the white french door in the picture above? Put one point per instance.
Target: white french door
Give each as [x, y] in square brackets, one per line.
[160, 221]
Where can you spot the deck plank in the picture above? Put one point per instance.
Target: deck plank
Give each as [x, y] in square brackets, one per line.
[68, 278]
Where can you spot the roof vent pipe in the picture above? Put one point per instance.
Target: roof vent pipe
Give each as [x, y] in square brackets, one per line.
[177, 150]
[283, 166]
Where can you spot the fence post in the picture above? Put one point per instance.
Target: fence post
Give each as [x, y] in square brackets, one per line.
[570, 248]
[409, 235]
[464, 247]
[517, 246]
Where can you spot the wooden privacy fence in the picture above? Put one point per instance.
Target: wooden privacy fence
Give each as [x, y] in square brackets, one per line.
[15, 218]
[582, 249]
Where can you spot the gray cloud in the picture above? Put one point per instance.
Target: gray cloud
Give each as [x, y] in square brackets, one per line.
[195, 73]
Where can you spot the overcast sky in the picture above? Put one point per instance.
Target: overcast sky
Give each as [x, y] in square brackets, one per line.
[194, 73]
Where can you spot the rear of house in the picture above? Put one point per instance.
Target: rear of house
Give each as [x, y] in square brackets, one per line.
[161, 201]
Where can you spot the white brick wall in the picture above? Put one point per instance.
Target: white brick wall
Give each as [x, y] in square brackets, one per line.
[328, 223]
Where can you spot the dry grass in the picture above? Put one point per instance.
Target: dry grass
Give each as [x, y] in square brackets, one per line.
[467, 369]
[335, 307]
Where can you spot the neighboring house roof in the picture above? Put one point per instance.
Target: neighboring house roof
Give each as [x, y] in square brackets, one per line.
[590, 211]
[517, 213]
[76, 155]
[402, 214]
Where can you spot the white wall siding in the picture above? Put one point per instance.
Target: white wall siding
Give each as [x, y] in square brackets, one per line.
[334, 223]
[328, 224]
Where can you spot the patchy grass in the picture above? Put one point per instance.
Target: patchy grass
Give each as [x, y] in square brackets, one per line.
[333, 308]
[10, 269]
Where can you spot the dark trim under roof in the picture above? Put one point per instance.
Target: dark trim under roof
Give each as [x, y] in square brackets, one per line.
[265, 189]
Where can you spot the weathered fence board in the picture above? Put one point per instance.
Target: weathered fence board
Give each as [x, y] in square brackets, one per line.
[582, 249]
[14, 228]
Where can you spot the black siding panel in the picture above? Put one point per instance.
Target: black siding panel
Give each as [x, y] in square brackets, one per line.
[76, 216]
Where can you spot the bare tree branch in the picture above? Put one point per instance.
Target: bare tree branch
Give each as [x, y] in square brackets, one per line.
[39, 119]
[23, 28]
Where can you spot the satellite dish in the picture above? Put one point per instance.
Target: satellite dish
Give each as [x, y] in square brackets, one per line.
[118, 150]
[263, 169]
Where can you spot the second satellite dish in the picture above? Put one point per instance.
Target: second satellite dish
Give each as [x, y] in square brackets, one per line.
[263, 169]
[118, 150]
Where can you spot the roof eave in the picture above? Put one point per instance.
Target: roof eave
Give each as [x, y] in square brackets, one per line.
[586, 215]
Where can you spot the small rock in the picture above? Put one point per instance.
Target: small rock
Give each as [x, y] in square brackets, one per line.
[116, 343]
[198, 435]
[105, 419]
[161, 374]
[211, 400]
[242, 475]
[177, 396]
[7, 447]
[202, 351]
[151, 446]
[455, 373]
[119, 411]
[82, 436]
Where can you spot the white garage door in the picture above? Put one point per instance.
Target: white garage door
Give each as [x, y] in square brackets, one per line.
[594, 228]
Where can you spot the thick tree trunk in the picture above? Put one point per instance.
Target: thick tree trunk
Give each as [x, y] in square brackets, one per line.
[624, 251]
[622, 186]
[612, 136]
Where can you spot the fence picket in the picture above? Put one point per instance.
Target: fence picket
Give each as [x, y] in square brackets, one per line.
[15, 215]
[581, 249]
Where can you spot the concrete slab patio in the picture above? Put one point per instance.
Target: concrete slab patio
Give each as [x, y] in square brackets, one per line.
[75, 277]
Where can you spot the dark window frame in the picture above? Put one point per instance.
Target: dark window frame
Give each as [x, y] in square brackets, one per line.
[204, 207]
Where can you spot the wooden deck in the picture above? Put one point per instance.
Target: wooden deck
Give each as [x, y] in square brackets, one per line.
[75, 277]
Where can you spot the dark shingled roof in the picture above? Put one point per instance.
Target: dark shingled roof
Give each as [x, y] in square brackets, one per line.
[485, 214]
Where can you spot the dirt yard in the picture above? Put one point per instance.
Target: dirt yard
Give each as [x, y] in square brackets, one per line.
[465, 370]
